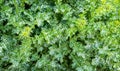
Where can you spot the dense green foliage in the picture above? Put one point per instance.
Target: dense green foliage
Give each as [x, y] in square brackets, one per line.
[59, 35]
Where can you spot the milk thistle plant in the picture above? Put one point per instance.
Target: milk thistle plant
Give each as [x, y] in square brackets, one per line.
[59, 35]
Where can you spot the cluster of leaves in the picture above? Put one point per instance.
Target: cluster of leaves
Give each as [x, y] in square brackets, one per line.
[59, 35]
